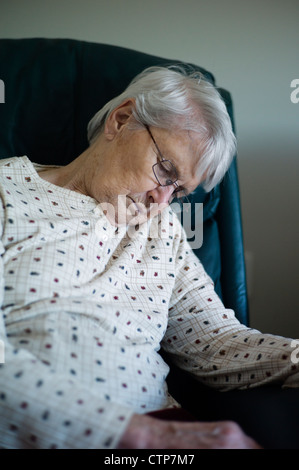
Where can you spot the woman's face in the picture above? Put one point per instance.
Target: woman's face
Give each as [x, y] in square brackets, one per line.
[129, 190]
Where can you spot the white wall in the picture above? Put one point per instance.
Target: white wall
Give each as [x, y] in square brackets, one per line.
[252, 47]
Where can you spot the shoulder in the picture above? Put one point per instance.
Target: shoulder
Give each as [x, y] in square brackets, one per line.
[16, 170]
[7, 164]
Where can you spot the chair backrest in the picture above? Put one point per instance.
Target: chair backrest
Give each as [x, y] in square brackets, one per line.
[52, 87]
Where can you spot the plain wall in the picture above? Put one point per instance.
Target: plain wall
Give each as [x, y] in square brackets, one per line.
[252, 47]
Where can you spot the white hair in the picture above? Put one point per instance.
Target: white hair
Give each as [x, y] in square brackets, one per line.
[173, 98]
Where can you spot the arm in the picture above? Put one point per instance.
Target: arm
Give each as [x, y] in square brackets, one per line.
[207, 340]
[40, 408]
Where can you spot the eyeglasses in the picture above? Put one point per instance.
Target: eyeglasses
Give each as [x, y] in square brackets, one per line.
[166, 173]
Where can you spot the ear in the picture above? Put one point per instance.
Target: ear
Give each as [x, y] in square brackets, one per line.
[119, 117]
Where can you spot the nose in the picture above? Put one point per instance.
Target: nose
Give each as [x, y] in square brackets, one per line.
[161, 194]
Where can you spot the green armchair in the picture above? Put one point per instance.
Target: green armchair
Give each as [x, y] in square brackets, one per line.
[50, 88]
[54, 87]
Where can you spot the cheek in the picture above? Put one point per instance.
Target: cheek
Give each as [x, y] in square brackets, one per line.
[135, 167]
[143, 184]
[139, 179]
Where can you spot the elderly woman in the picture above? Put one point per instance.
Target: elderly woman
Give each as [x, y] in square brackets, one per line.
[86, 305]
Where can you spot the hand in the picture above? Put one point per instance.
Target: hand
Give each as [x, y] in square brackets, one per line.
[145, 432]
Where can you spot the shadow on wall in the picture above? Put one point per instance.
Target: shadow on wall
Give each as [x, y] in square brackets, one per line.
[269, 196]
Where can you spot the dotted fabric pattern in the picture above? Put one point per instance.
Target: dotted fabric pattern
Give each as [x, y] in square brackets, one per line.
[86, 308]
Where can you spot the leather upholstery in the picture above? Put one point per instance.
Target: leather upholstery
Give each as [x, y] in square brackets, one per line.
[54, 86]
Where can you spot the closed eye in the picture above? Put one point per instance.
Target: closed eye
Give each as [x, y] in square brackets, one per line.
[165, 173]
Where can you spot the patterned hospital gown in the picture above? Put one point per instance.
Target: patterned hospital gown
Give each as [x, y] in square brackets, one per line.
[86, 308]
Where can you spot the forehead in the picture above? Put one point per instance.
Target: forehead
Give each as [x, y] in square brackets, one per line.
[182, 148]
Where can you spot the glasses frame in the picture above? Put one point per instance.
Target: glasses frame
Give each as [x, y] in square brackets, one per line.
[162, 159]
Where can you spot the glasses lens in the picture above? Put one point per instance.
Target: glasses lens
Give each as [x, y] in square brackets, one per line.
[165, 173]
